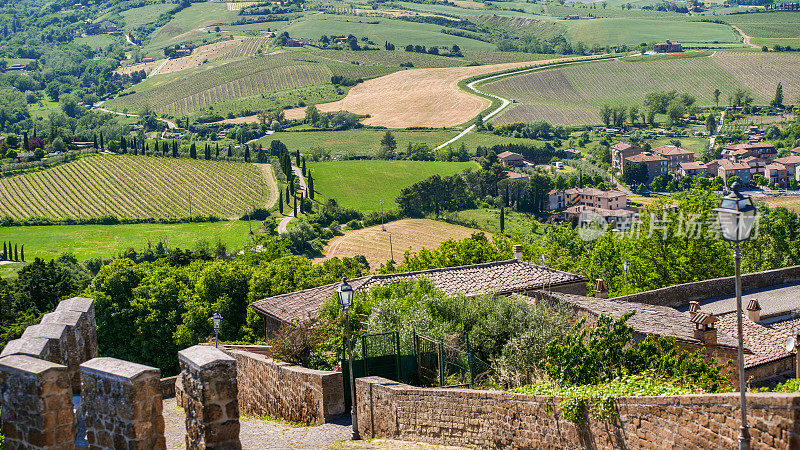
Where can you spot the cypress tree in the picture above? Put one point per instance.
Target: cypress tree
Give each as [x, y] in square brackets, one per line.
[174, 149]
[16, 255]
[102, 146]
[144, 150]
[310, 185]
[288, 194]
[22, 253]
[193, 151]
[295, 205]
[208, 152]
[230, 151]
[246, 153]
[5, 251]
[502, 220]
[304, 166]
[25, 141]
[297, 158]
[280, 201]
[123, 146]
[135, 151]
[217, 150]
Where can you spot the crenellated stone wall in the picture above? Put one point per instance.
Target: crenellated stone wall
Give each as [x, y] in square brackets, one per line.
[37, 404]
[281, 390]
[209, 397]
[122, 405]
[494, 419]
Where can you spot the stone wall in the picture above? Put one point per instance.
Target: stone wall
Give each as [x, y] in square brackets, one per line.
[682, 294]
[37, 404]
[122, 405]
[463, 417]
[281, 390]
[208, 377]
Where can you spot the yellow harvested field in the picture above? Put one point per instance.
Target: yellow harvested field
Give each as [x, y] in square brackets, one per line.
[468, 4]
[790, 202]
[419, 97]
[199, 55]
[407, 234]
[147, 67]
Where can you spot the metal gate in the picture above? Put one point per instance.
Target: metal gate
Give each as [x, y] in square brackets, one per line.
[440, 364]
[380, 356]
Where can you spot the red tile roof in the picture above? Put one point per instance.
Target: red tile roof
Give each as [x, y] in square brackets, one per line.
[499, 277]
[766, 340]
[642, 157]
[510, 155]
[670, 150]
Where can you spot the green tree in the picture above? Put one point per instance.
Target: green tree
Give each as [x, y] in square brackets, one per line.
[246, 153]
[777, 101]
[310, 185]
[502, 220]
[193, 151]
[280, 201]
[716, 97]
[605, 115]
[711, 124]
[388, 146]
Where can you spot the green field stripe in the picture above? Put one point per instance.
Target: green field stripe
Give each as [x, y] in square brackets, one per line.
[92, 188]
[168, 168]
[39, 204]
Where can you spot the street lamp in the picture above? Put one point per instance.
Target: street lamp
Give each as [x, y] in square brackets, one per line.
[216, 320]
[626, 266]
[345, 292]
[736, 215]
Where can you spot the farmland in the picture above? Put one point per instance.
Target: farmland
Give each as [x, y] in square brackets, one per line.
[136, 187]
[777, 24]
[180, 94]
[635, 31]
[136, 17]
[570, 95]
[186, 26]
[106, 241]
[363, 184]
[407, 235]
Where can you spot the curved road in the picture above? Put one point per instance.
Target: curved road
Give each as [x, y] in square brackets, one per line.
[170, 124]
[303, 190]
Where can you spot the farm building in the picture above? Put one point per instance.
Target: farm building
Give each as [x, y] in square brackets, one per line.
[517, 176]
[294, 43]
[511, 159]
[668, 47]
[513, 276]
[557, 200]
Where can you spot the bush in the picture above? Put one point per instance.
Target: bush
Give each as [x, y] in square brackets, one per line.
[354, 224]
[256, 214]
[295, 344]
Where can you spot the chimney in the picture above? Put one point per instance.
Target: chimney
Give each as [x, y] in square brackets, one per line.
[518, 252]
[694, 306]
[600, 289]
[704, 328]
[754, 311]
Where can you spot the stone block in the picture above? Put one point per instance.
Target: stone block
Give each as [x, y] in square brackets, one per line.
[86, 306]
[41, 348]
[37, 403]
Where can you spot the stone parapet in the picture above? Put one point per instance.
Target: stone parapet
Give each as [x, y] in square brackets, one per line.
[280, 390]
[89, 332]
[122, 405]
[495, 419]
[208, 377]
[41, 348]
[37, 404]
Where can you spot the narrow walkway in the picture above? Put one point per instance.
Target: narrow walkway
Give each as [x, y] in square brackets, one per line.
[284, 223]
[745, 37]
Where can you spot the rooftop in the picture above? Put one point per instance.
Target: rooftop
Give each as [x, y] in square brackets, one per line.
[694, 165]
[774, 301]
[499, 277]
[509, 155]
[766, 340]
[645, 157]
[594, 192]
[624, 146]
[670, 150]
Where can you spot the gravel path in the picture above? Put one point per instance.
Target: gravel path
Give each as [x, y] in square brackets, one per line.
[266, 434]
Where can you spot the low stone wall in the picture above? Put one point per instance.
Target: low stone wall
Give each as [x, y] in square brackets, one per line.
[281, 390]
[122, 404]
[167, 386]
[209, 398]
[464, 417]
[37, 404]
[681, 294]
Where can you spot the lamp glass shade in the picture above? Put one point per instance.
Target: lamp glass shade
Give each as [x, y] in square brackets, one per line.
[736, 215]
[217, 320]
[345, 292]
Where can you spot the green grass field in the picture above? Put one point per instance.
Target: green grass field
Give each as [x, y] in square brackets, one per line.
[637, 31]
[97, 41]
[363, 184]
[775, 24]
[573, 94]
[136, 17]
[398, 32]
[105, 241]
[185, 26]
[136, 187]
[517, 224]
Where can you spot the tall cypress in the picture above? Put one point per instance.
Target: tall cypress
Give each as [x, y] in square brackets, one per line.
[16, 255]
[25, 141]
[288, 194]
[280, 201]
[217, 150]
[123, 146]
[230, 151]
[193, 151]
[22, 253]
[174, 149]
[102, 146]
[297, 158]
[208, 152]
[310, 185]
[502, 220]
[304, 166]
[246, 153]
[295, 205]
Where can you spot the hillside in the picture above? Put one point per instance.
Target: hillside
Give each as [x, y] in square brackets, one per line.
[137, 187]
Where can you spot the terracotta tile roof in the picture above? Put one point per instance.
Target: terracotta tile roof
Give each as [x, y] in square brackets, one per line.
[694, 165]
[766, 340]
[594, 192]
[669, 150]
[648, 319]
[509, 155]
[643, 157]
[750, 146]
[792, 160]
[730, 165]
[624, 146]
[517, 175]
[499, 277]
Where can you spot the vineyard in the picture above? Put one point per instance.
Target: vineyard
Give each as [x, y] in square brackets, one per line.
[248, 47]
[238, 79]
[571, 95]
[778, 24]
[136, 187]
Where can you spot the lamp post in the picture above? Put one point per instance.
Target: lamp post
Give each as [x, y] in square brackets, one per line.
[626, 266]
[736, 215]
[345, 292]
[216, 320]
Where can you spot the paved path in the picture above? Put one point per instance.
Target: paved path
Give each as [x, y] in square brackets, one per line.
[284, 223]
[98, 106]
[155, 71]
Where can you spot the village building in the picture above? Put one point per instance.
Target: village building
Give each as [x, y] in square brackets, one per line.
[656, 164]
[622, 150]
[728, 169]
[668, 47]
[517, 176]
[511, 159]
[736, 152]
[674, 156]
[777, 175]
[500, 278]
[694, 169]
[790, 162]
[556, 200]
[597, 198]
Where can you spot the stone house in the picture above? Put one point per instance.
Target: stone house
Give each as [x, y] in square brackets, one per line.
[694, 169]
[668, 47]
[728, 169]
[737, 152]
[497, 278]
[556, 200]
[597, 198]
[517, 176]
[511, 159]
[790, 162]
[777, 174]
[674, 155]
[622, 150]
[656, 164]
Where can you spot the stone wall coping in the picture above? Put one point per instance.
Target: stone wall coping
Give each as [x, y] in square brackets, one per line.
[731, 398]
[283, 365]
[25, 364]
[33, 346]
[125, 371]
[81, 304]
[65, 317]
[204, 357]
[46, 330]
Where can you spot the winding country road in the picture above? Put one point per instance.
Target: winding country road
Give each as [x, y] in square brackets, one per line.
[744, 36]
[98, 106]
[303, 191]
